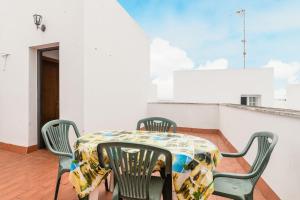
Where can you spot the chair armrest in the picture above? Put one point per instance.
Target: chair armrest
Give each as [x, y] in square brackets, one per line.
[242, 153]
[232, 155]
[58, 153]
[234, 175]
[138, 126]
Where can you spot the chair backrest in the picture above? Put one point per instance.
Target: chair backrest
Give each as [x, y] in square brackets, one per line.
[56, 135]
[266, 142]
[133, 165]
[156, 124]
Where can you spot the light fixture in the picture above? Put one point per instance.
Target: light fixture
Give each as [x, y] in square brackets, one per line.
[38, 22]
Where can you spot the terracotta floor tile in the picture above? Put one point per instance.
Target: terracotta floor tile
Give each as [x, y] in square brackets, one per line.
[33, 176]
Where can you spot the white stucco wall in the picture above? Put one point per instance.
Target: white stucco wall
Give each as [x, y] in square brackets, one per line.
[187, 114]
[117, 68]
[64, 21]
[237, 124]
[104, 65]
[282, 173]
[223, 86]
[293, 96]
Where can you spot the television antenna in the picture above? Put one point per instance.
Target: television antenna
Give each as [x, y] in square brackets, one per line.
[242, 13]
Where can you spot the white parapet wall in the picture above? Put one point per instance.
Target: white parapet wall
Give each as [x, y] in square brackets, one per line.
[187, 114]
[293, 96]
[238, 123]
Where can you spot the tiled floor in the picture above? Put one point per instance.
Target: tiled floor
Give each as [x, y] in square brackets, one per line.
[33, 176]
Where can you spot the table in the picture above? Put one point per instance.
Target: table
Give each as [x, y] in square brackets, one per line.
[193, 161]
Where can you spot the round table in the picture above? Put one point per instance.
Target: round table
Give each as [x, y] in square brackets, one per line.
[193, 161]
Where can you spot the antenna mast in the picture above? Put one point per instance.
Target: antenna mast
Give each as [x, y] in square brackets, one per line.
[243, 14]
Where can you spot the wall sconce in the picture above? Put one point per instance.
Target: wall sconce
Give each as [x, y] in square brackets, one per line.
[38, 21]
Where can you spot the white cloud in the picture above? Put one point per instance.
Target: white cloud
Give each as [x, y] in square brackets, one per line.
[221, 63]
[166, 58]
[289, 72]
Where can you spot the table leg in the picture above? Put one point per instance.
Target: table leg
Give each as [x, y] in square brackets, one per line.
[84, 198]
[94, 195]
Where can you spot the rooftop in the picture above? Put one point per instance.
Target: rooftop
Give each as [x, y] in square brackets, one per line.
[269, 110]
[35, 174]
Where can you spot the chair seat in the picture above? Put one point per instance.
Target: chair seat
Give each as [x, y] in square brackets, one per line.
[65, 163]
[155, 189]
[232, 188]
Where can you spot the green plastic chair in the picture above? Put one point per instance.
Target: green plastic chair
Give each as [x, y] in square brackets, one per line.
[241, 186]
[156, 124]
[133, 165]
[56, 137]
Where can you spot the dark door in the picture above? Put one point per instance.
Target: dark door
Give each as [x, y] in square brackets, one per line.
[49, 92]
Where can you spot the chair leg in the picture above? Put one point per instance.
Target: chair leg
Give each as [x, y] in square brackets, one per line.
[167, 189]
[116, 194]
[106, 185]
[162, 172]
[249, 197]
[57, 186]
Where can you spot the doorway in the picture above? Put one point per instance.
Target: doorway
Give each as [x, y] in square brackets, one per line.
[48, 88]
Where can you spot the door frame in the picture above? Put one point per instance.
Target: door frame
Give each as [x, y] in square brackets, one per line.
[40, 141]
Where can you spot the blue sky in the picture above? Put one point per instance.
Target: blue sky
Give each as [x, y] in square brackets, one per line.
[208, 30]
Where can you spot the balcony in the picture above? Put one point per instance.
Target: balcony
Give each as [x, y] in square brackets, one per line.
[32, 176]
[234, 124]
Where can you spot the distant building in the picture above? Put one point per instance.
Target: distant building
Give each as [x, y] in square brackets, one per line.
[152, 96]
[293, 96]
[253, 87]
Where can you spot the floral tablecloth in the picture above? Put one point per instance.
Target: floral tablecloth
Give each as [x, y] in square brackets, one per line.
[193, 161]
